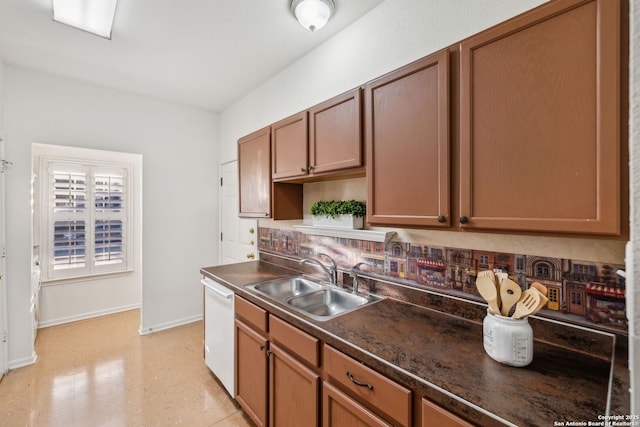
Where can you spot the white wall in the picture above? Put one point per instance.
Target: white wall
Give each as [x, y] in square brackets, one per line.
[391, 35]
[180, 157]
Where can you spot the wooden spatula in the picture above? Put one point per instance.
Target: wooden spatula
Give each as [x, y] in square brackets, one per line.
[487, 273]
[509, 294]
[488, 291]
[527, 304]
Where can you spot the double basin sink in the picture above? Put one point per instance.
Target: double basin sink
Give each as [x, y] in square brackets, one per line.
[314, 299]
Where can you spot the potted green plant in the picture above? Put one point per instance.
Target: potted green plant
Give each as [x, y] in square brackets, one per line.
[340, 214]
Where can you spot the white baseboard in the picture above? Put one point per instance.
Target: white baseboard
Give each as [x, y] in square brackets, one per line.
[25, 361]
[84, 316]
[169, 325]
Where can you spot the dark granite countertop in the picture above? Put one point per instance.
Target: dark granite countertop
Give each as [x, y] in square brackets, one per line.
[440, 356]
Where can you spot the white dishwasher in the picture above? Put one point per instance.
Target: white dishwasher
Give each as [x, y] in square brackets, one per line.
[219, 333]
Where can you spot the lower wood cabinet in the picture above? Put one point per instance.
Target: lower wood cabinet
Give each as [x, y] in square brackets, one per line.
[338, 409]
[374, 390]
[436, 416]
[282, 381]
[251, 372]
[293, 391]
[277, 380]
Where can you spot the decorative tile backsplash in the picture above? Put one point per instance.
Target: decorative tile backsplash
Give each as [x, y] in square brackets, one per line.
[582, 292]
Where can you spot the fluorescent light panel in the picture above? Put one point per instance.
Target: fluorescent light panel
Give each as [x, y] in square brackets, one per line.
[94, 16]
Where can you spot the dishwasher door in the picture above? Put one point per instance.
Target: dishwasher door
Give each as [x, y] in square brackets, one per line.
[219, 342]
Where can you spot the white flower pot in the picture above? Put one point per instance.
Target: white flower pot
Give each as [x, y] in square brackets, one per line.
[341, 221]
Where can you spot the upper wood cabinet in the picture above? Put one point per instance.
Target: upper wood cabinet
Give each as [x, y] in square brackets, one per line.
[324, 139]
[290, 148]
[540, 121]
[254, 174]
[259, 197]
[335, 133]
[407, 144]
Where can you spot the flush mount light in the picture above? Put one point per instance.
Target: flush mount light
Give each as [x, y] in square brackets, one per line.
[312, 14]
[94, 16]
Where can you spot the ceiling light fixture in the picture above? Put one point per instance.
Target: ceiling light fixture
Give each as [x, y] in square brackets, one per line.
[94, 16]
[312, 14]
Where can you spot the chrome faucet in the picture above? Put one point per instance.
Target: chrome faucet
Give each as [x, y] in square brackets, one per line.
[354, 274]
[331, 271]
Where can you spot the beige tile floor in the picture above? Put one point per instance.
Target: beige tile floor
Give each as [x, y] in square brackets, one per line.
[101, 372]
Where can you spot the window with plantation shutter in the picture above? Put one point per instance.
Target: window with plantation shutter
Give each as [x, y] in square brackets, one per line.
[87, 216]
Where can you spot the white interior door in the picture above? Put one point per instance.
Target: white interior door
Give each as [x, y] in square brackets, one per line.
[238, 237]
[4, 352]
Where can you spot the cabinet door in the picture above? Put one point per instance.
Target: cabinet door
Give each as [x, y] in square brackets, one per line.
[251, 373]
[540, 121]
[435, 416]
[339, 410]
[294, 391]
[289, 143]
[254, 174]
[335, 133]
[407, 144]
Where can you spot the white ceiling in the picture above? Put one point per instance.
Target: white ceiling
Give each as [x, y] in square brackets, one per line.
[202, 53]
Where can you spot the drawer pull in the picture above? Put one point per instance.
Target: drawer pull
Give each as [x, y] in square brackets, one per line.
[358, 383]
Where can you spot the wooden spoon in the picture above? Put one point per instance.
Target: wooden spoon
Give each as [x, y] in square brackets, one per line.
[488, 291]
[490, 275]
[539, 287]
[510, 293]
[527, 304]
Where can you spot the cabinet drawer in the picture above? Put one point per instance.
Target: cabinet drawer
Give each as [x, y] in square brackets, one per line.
[386, 396]
[435, 416]
[301, 343]
[252, 314]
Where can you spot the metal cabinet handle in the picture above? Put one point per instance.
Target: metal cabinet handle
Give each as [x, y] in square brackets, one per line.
[358, 383]
[251, 230]
[251, 255]
[261, 347]
[311, 168]
[442, 218]
[303, 170]
[464, 220]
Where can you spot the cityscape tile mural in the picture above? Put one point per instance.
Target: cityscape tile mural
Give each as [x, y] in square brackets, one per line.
[586, 292]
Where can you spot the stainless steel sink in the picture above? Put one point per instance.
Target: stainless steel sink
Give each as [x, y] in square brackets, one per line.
[314, 299]
[282, 289]
[329, 302]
